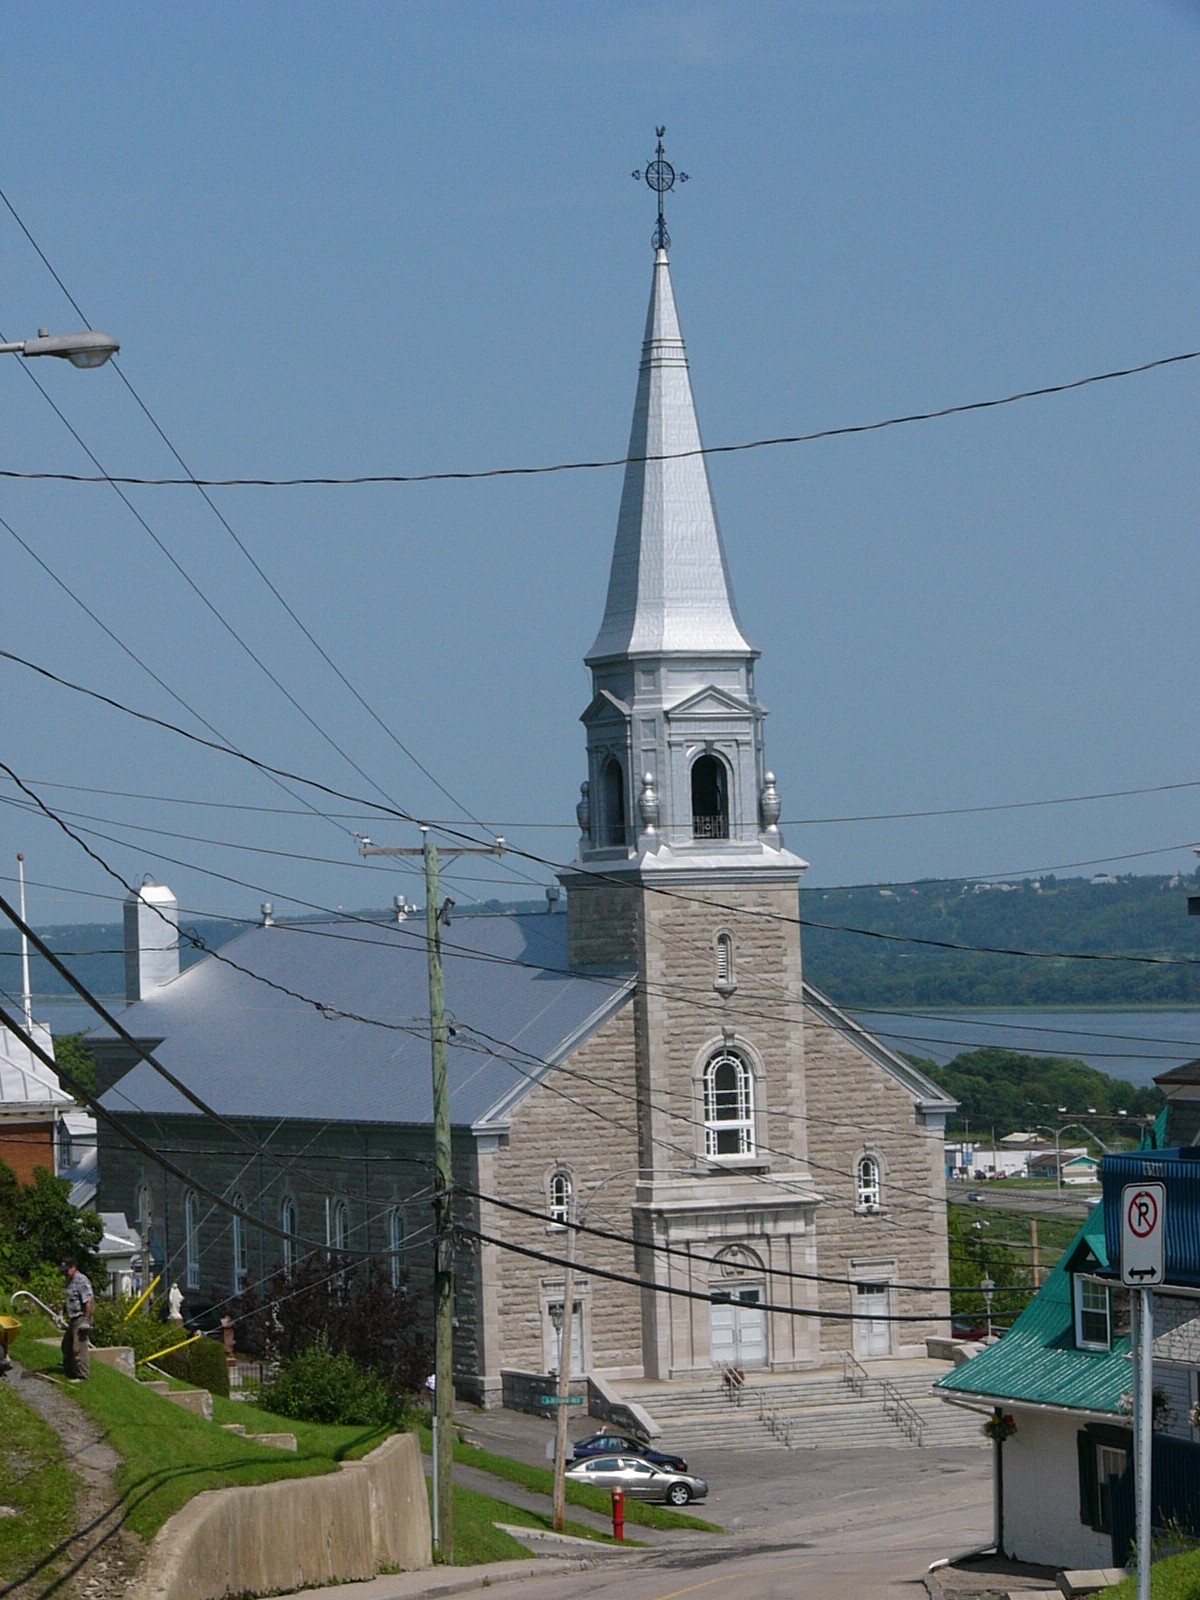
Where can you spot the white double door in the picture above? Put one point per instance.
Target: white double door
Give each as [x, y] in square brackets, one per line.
[738, 1329]
[873, 1330]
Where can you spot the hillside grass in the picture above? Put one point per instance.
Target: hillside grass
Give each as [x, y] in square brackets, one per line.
[168, 1455]
[35, 1482]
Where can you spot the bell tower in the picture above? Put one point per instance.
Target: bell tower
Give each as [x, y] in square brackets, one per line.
[682, 876]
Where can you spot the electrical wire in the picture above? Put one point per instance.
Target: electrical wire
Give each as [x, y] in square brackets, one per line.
[601, 463]
[608, 877]
[794, 822]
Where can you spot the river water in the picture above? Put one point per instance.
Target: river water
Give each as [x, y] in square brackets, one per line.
[1135, 1045]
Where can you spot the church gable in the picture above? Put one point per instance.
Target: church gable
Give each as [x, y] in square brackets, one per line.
[605, 710]
[709, 702]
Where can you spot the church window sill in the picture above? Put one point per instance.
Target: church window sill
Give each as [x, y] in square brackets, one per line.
[715, 1164]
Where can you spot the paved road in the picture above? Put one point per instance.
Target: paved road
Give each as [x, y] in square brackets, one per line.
[854, 1524]
[858, 1524]
[1039, 1201]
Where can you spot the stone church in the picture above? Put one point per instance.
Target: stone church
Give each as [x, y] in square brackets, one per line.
[759, 1181]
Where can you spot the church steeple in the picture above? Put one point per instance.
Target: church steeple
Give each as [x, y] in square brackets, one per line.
[669, 587]
[677, 776]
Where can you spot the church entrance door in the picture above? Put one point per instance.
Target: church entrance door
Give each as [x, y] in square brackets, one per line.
[738, 1328]
[874, 1331]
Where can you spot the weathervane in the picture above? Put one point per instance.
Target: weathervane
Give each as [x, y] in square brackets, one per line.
[660, 176]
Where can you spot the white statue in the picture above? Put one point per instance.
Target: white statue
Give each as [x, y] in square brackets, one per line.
[175, 1302]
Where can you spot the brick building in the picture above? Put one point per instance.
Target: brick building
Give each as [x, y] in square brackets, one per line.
[652, 1058]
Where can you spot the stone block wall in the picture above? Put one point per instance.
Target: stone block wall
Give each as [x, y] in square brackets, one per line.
[855, 1108]
[584, 1117]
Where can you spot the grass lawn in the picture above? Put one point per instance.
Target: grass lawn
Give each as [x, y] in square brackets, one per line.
[35, 1482]
[168, 1455]
[1174, 1578]
[541, 1481]
[477, 1539]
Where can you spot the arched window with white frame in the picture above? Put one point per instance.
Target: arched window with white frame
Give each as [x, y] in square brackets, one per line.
[868, 1184]
[395, 1247]
[560, 1197]
[287, 1222]
[341, 1226]
[728, 1106]
[239, 1261]
[191, 1240]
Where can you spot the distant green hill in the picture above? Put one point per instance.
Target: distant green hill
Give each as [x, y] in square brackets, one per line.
[1128, 916]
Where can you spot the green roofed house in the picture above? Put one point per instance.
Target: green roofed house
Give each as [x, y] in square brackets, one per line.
[1062, 1374]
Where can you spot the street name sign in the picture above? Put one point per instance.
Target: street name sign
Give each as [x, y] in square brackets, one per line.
[1143, 1219]
[560, 1399]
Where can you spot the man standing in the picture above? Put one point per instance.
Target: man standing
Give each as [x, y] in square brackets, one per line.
[77, 1308]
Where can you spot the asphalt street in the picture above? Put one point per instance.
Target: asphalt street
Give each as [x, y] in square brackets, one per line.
[855, 1524]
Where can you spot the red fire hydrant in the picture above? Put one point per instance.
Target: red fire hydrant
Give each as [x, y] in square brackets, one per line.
[618, 1513]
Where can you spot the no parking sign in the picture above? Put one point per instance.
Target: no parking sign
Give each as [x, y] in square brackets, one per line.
[1143, 1216]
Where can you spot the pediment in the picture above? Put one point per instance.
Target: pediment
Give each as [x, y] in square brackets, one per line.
[605, 708]
[711, 702]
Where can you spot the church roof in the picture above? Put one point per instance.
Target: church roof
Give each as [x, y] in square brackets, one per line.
[250, 1050]
[669, 588]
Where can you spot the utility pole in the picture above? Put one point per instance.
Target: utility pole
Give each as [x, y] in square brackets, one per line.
[443, 1268]
[564, 1373]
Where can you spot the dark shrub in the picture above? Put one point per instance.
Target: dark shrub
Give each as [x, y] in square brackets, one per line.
[201, 1364]
[354, 1310]
[322, 1385]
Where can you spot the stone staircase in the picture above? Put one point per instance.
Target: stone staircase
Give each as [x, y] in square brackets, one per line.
[198, 1401]
[809, 1411]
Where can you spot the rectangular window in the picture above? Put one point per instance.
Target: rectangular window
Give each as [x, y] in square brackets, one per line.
[1093, 1318]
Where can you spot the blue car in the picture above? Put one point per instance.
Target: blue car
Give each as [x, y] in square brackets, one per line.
[607, 1444]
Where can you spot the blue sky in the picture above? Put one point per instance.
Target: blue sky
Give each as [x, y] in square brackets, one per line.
[338, 239]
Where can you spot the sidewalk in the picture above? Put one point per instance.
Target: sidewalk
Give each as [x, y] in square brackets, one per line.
[449, 1580]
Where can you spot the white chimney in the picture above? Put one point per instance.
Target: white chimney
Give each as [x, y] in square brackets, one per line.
[151, 940]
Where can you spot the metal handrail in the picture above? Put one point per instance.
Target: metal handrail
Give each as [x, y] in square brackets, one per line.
[854, 1373]
[28, 1294]
[732, 1382]
[904, 1415]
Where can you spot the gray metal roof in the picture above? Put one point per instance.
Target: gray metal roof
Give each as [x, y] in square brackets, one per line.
[669, 587]
[252, 1051]
[25, 1084]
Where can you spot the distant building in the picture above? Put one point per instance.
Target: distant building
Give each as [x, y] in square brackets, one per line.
[32, 1106]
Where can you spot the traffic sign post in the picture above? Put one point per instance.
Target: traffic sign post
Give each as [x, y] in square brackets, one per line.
[1143, 1226]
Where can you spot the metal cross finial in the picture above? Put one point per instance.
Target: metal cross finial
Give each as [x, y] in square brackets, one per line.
[660, 176]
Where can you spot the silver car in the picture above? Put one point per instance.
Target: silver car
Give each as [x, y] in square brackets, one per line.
[639, 1479]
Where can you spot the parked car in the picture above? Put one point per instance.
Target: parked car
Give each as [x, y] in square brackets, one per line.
[610, 1444]
[639, 1479]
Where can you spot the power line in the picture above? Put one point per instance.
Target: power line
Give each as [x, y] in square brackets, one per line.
[794, 822]
[601, 463]
[605, 877]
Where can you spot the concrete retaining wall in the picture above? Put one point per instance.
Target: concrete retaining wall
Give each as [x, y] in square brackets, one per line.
[522, 1391]
[297, 1533]
[605, 1403]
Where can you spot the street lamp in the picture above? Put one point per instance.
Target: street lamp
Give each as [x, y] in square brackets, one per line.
[988, 1286]
[89, 349]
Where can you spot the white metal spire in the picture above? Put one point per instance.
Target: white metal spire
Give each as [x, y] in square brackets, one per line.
[669, 588]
